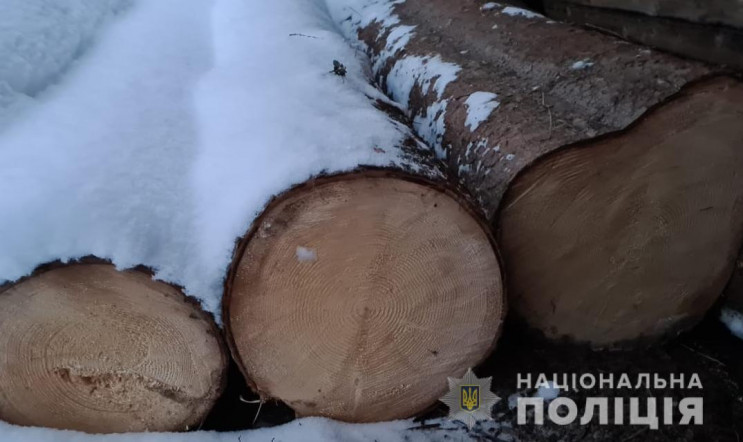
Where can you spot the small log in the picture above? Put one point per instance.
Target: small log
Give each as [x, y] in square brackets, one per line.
[708, 31]
[355, 296]
[611, 171]
[86, 347]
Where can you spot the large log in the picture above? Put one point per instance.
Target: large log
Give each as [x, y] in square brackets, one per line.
[622, 217]
[713, 12]
[355, 296]
[86, 347]
[709, 31]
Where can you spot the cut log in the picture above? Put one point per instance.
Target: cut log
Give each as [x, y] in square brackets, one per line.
[713, 12]
[355, 296]
[661, 206]
[623, 216]
[86, 347]
[691, 29]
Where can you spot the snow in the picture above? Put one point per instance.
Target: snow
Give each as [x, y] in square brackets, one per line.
[516, 12]
[489, 6]
[548, 391]
[430, 73]
[479, 107]
[154, 132]
[397, 39]
[174, 128]
[306, 255]
[304, 430]
[431, 126]
[733, 320]
[39, 41]
[581, 64]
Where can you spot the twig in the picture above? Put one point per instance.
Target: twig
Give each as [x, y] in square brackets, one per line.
[260, 405]
[296, 34]
[425, 427]
[604, 30]
[634, 435]
[549, 114]
[703, 355]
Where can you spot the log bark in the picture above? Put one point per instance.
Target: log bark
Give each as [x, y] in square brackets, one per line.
[86, 347]
[623, 212]
[709, 31]
[713, 12]
[353, 295]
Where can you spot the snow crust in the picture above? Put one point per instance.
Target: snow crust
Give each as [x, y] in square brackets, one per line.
[479, 107]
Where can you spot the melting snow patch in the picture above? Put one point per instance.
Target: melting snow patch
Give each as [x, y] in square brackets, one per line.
[733, 320]
[432, 126]
[479, 107]
[430, 73]
[353, 15]
[398, 37]
[514, 11]
[582, 64]
[489, 6]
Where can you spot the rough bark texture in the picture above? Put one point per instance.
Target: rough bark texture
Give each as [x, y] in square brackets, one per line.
[86, 347]
[725, 12]
[562, 88]
[544, 104]
[693, 34]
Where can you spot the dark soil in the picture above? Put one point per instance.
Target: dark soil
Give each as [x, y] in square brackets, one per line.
[709, 351]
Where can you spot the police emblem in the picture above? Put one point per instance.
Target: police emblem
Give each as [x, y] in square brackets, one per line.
[469, 399]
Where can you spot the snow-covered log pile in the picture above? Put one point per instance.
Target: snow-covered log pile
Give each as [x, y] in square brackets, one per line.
[611, 171]
[87, 347]
[162, 143]
[711, 30]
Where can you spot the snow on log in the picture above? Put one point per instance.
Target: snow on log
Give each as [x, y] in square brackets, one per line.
[87, 347]
[355, 296]
[611, 171]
